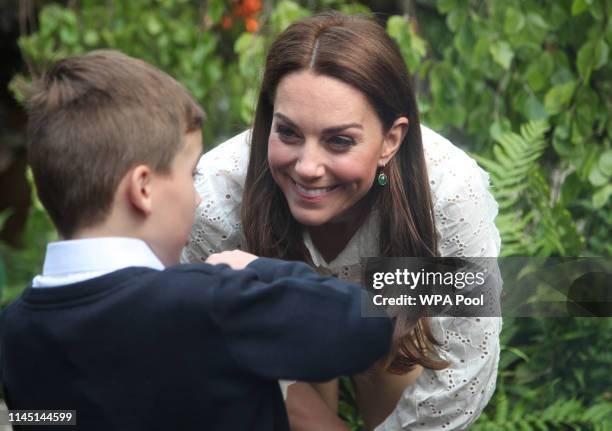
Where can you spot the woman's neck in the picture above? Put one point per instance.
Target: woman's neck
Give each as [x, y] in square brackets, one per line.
[333, 237]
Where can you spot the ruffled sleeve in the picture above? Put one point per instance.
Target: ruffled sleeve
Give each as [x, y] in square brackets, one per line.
[220, 182]
[453, 398]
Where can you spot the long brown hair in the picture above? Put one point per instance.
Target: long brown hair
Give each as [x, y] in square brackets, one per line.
[359, 52]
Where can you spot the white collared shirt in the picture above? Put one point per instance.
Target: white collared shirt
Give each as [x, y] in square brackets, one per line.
[77, 260]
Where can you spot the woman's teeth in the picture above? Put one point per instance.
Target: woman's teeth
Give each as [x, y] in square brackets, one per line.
[314, 191]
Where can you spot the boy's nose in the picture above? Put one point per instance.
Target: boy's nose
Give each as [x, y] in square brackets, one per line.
[198, 199]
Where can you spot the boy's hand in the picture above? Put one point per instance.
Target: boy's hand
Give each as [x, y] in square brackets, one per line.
[236, 259]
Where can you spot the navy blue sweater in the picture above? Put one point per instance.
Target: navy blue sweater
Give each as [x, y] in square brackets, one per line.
[190, 347]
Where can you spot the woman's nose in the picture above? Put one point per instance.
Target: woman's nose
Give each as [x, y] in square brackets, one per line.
[310, 162]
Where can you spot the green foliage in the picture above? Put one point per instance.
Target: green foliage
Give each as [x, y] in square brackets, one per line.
[171, 34]
[489, 67]
[412, 46]
[562, 415]
[553, 375]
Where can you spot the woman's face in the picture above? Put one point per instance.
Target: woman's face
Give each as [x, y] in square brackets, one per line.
[325, 145]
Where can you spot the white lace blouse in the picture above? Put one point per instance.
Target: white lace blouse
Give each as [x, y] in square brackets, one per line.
[450, 399]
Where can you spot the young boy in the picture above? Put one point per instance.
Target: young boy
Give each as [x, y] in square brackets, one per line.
[110, 329]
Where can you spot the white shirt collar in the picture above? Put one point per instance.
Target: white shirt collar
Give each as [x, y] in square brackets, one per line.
[73, 261]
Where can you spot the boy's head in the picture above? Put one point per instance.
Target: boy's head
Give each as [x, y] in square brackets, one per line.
[93, 120]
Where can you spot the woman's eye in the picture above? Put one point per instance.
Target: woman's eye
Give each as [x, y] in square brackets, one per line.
[342, 142]
[195, 172]
[286, 133]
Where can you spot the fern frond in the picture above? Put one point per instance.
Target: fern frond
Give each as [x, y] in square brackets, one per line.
[515, 158]
[599, 413]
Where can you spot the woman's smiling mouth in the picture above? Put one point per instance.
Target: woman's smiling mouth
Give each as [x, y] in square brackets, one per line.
[312, 192]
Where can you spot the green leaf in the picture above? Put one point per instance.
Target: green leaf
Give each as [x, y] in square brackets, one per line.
[605, 163]
[455, 19]
[286, 12]
[502, 54]
[418, 45]
[247, 105]
[587, 111]
[597, 10]
[539, 71]
[91, 37]
[514, 21]
[601, 197]
[598, 412]
[412, 46]
[445, 6]
[499, 128]
[69, 17]
[592, 56]
[601, 54]
[153, 25]
[69, 35]
[243, 43]
[561, 142]
[572, 186]
[16, 87]
[519, 353]
[182, 35]
[534, 110]
[395, 26]
[216, 9]
[598, 178]
[355, 9]
[464, 41]
[579, 6]
[584, 60]
[537, 20]
[558, 97]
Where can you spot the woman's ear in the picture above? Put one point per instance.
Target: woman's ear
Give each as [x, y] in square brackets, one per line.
[393, 140]
[139, 189]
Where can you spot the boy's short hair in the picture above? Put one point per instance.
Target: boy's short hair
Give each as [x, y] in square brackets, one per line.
[92, 118]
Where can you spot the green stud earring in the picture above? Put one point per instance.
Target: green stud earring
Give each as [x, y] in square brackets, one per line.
[382, 178]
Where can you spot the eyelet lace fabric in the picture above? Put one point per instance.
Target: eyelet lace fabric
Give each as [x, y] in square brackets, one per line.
[450, 399]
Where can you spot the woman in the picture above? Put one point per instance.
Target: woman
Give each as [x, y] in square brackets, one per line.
[338, 169]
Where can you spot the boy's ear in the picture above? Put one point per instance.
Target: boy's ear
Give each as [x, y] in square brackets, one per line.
[139, 188]
[393, 140]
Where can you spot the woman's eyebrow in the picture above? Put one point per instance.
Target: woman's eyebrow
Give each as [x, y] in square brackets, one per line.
[286, 119]
[328, 131]
[340, 128]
